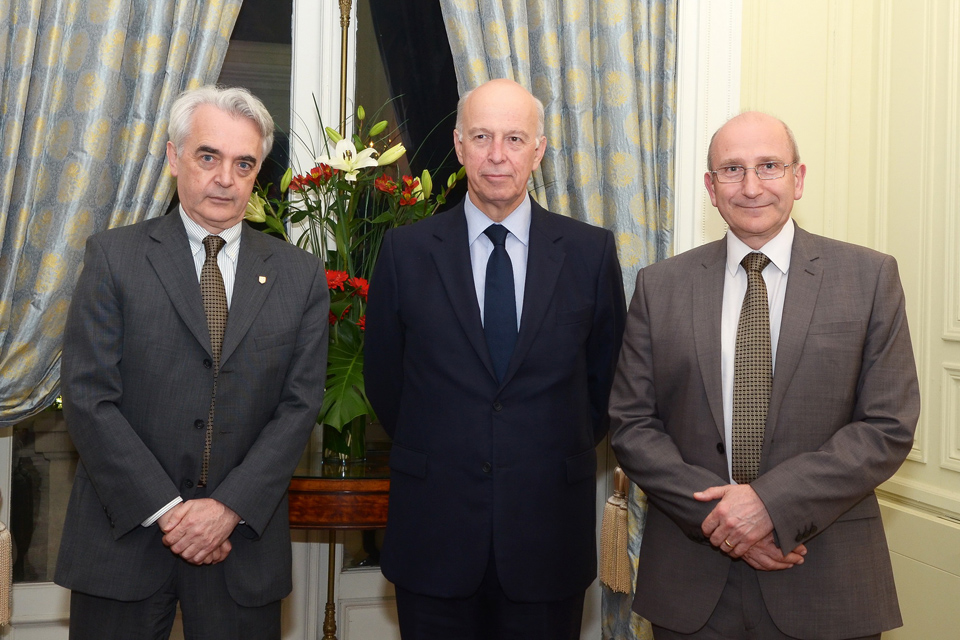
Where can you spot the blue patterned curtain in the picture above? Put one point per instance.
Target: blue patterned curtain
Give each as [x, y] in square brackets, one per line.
[606, 73]
[85, 91]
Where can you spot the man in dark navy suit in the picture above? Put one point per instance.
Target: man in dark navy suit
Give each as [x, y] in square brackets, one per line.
[493, 331]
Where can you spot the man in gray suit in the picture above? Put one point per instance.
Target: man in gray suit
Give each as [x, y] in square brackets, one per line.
[759, 412]
[188, 430]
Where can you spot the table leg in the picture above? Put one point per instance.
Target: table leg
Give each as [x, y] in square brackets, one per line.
[330, 611]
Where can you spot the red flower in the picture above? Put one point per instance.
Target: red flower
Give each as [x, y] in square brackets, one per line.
[335, 279]
[317, 177]
[385, 184]
[346, 311]
[332, 318]
[362, 323]
[360, 287]
[409, 184]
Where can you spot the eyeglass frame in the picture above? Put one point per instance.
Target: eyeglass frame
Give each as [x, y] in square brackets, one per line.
[755, 170]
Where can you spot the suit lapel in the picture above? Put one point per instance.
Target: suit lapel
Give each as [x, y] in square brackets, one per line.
[451, 254]
[544, 261]
[255, 278]
[171, 260]
[707, 304]
[800, 298]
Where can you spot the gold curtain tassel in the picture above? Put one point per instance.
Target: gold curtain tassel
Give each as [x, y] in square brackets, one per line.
[615, 570]
[6, 574]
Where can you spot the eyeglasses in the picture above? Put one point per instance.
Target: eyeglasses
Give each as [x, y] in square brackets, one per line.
[765, 171]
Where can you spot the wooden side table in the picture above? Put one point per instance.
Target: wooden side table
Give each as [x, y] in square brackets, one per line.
[336, 497]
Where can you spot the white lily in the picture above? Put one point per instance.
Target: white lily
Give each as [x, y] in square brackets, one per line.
[345, 157]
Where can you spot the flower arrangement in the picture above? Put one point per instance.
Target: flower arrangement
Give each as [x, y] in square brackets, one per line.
[344, 205]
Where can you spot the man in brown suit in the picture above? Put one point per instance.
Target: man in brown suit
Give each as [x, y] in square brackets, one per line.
[795, 548]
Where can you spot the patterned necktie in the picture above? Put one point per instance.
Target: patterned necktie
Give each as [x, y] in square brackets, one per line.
[499, 302]
[752, 372]
[215, 306]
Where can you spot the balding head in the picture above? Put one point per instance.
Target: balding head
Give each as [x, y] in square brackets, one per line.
[754, 116]
[499, 141]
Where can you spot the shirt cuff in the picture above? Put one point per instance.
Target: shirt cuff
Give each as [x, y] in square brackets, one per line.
[170, 505]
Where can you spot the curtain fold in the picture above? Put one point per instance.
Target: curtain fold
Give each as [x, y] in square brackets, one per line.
[85, 92]
[606, 73]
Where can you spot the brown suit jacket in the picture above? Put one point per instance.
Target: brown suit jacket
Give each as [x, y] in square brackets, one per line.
[843, 409]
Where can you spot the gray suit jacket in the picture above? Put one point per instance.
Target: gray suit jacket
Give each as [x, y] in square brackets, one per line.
[843, 409]
[137, 380]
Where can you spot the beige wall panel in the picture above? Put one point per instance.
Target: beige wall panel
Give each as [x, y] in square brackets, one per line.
[921, 93]
[371, 618]
[871, 89]
[951, 417]
[926, 551]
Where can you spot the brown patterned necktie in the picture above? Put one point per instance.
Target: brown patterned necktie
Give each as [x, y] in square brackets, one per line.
[215, 306]
[752, 372]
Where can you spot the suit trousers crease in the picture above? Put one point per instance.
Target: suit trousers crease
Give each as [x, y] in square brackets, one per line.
[487, 615]
[208, 611]
[740, 614]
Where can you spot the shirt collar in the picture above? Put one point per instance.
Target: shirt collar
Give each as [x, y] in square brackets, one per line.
[196, 234]
[517, 223]
[778, 249]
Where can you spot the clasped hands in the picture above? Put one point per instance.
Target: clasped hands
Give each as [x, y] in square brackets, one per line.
[740, 527]
[199, 530]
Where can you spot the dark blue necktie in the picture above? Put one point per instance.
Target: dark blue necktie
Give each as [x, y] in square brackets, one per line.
[499, 302]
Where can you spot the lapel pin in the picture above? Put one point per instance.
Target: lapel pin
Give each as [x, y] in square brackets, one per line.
[263, 279]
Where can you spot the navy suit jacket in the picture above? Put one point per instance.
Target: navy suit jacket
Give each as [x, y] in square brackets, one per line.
[137, 381]
[480, 466]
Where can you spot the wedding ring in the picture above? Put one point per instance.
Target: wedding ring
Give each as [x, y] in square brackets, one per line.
[727, 542]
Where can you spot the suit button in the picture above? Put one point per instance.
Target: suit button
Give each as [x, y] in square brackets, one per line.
[720, 448]
[497, 406]
[198, 424]
[486, 467]
[207, 363]
[188, 484]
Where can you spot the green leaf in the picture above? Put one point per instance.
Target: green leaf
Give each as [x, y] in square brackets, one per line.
[337, 307]
[345, 395]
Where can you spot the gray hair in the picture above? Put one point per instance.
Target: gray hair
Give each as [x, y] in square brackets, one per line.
[236, 101]
[794, 149]
[463, 101]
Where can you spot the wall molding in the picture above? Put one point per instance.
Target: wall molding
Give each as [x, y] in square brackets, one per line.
[952, 242]
[708, 93]
[921, 497]
[950, 417]
[838, 107]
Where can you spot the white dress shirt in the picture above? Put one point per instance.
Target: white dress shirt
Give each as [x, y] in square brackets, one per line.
[517, 244]
[778, 249]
